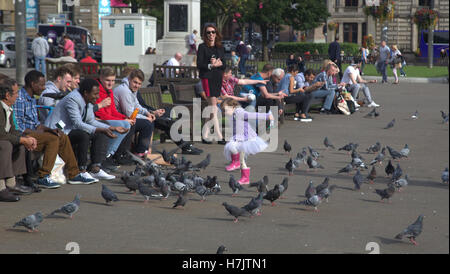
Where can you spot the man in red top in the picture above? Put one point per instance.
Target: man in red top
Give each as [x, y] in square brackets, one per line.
[89, 59]
[111, 116]
[229, 82]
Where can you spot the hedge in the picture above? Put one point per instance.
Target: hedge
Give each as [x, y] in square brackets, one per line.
[301, 48]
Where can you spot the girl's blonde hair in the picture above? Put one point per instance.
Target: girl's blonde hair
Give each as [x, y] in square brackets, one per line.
[394, 47]
[229, 102]
[325, 63]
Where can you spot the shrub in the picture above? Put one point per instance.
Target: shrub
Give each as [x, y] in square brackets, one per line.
[298, 48]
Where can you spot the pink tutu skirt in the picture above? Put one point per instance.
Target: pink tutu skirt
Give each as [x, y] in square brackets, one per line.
[249, 147]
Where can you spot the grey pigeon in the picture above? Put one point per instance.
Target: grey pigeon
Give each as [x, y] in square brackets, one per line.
[287, 147]
[165, 190]
[313, 201]
[131, 182]
[310, 190]
[444, 117]
[358, 180]
[355, 154]
[444, 176]
[235, 211]
[326, 192]
[234, 185]
[386, 193]
[283, 186]
[374, 148]
[108, 195]
[31, 222]
[69, 208]
[412, 231]
[254, 206]
[313, 153]
[298, 160]
[402, 182]
[405, 151]
[358, 163]
[347, 169]
[323, 185]
[290, 167]
[394, 154]
[179, 186]
[313, 163]
[167, 155]
[398, 172]
[389, 168]
[181, 201]
[380, 157]
[148, 192]
[349, 147]
[327, 143]
[202, 191]
[372, 174]
[221, 249]
[372, 113]
[205, 163]
[261, 185]
[415, 115]
[391, 124]
[273, 194]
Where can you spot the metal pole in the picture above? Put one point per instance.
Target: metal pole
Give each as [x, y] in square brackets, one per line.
[20, 41]
[430, 46]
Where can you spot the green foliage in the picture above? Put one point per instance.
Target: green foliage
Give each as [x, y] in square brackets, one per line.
[304, 15]
[322, 48]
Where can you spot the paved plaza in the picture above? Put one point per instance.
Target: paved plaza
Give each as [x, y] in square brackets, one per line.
[346, 224]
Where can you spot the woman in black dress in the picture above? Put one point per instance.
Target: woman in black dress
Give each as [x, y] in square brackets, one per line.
[211, 64]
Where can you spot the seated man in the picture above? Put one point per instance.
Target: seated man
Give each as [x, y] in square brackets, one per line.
[12, 146]
[76, 112]
[354, 83]
[327, 89]
[51, 142]
[67, 58]
[88, 59]
[296, 96]
[229, 82]
[76, 75]
[175, 62]
[111, 116]
[55, 90]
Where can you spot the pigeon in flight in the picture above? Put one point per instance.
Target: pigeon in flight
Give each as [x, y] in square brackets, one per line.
[69, 208]
[31, 222]
[391, 124]
[108, 195]
[287, 147]
[412, 231]
[327, 143]
[235, 211]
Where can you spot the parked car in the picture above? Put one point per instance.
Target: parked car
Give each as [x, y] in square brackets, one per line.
[7, 54]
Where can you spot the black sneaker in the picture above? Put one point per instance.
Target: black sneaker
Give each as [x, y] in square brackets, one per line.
[325, 111]
[109, 165]
[190, 149]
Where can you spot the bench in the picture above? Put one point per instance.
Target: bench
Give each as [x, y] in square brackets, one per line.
[166, 75]
[88, 70]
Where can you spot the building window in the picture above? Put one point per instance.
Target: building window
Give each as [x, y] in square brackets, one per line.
[425, 3]
[351, 33]
[68, 10]
[351, 3]
[364, 29]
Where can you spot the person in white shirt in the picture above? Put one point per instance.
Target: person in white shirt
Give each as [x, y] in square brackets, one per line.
[193, 42]
[174, 61]
[354, 82]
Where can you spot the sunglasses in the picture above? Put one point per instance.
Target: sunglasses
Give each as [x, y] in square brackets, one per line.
[211, 32]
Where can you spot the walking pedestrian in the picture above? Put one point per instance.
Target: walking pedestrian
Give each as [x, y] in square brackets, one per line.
[40, 49]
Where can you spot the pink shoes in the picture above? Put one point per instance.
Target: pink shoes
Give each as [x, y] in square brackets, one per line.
[245, 176]
[235, 163]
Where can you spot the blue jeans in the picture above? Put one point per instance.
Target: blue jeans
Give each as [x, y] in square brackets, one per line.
[383, 70]
[328, 94]
[114, 143]
[38, 61]
[242, 61]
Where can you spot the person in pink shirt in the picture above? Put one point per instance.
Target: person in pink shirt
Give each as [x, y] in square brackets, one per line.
[69, 45]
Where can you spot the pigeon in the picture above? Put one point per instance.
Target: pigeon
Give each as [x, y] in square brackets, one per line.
[358, 163]
[181, 201]
[372, 113]
[327, 143]
[234, 185]
[313, 163]
[313, 153]
[261, 185]
[389, 168]
[310, 190]
[290, 167]
[203, 164]
[287, 147]
[108, 195]
[402, 182]
[445, 121]
[386, 193]
[398, 172]
[415, 116]
[31, 222]
[202, 191]
[167, 155]
[394, 154]
[69, 208]
[380, 157]
[358, 180]
[304, 153]
[412, 231]
[348, 168]
[298, 160]
[235, 211]
[148, 192]
[131, 182]
[273, 194]
[374, 148]
[372, 175]
[444, 117]
[391, 124]
[405, 151]
[349, 147]
[179, 186]
[283, 186]
[444, 176]
[326, 192]
[323, 185]
[165, 191]
[210, 182]
[314, 201]
[254, 206]
[355, 154]
[221, 249]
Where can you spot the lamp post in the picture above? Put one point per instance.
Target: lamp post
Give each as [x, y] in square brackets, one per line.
[20, 41]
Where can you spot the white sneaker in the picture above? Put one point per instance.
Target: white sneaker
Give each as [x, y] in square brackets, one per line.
[87, 175]
[356, 104]
[373, 105]
[102, 175]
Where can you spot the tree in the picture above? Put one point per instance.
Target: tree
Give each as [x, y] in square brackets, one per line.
[305, 15]
[137, 4]
[222, 10]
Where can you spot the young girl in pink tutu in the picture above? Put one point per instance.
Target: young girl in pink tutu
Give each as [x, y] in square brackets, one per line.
[245, 140]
